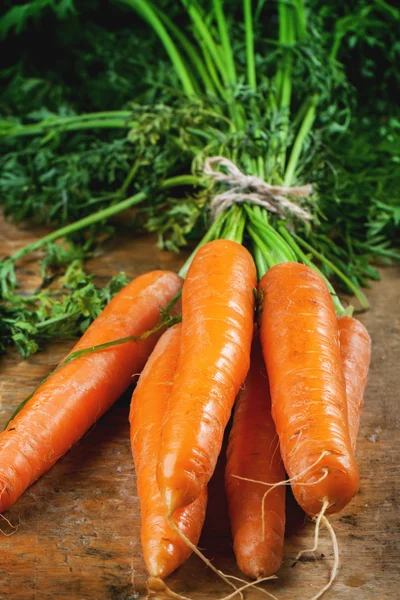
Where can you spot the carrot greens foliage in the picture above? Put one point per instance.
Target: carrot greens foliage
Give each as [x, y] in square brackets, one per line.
[271, 86]
[63, 311]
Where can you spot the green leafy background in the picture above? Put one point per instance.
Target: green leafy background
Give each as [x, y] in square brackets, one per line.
[64, 58]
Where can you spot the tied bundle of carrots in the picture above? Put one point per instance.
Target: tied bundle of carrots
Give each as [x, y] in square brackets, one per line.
[297, 371]
[297, 412]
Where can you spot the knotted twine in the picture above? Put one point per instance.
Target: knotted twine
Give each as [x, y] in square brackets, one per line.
[252, 189]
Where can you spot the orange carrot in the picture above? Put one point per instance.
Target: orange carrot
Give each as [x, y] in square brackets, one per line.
[65, 406]
[355, 348]
[299, 335]
[217, 326]
[163, 550]
[253, 453]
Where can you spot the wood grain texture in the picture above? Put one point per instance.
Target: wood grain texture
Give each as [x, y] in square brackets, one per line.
[79, 537]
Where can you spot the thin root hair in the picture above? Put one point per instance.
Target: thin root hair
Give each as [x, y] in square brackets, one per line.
[221, 575]
[260, 580]
[335, 565]
[316, 531]
[285, 482]
[13, 527]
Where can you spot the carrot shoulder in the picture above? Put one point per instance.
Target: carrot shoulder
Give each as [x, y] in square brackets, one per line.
[299, 334]
[253, 452]
[217, 325]
[163, 550]
[355, 349]
[66, 405]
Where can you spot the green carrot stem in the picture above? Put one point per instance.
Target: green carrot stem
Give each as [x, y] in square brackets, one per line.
[286, 89]
[225, 41]
[146, 10]
[80, 224]
[283, 42]
[351, 286]
[82, 122]
[165, 312]
[108, 114]
[259, 259]
[301, 20]
[266, 253]
[190, 51]
[205, 35]
[302, 134]
[260, 214]
[212, 70]
[43, 127]
[301, 113]
[56, 319]
[248, 26]
[241, 228]
[229, 230]
[261, 167]
[180, 180]
[284, 75]
[234, 225]
[285, 111]
[101, 215]
[129, 178]
[280, 249]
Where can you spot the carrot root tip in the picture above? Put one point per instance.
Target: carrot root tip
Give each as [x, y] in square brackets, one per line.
[335, 565]
[237, 590]
[321, 519]
[318, 520]
[156, 585]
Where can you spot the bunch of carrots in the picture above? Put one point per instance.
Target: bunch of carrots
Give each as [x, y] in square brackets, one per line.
[250, 325]
[261, 332]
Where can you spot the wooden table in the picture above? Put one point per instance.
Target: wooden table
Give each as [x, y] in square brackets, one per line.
[78, 537]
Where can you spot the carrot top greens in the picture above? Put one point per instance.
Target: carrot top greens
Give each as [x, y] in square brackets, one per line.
[63, 311]
[263, 84]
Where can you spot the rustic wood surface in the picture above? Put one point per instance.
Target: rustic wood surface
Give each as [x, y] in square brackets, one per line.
[79, 525]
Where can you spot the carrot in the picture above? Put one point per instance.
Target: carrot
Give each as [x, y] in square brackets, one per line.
[217, 326]
[253, 453]
[299, 335]
[65, 406]
[163, 550]
[355, 348]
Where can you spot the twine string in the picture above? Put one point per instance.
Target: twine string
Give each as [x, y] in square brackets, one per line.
[252, 189]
